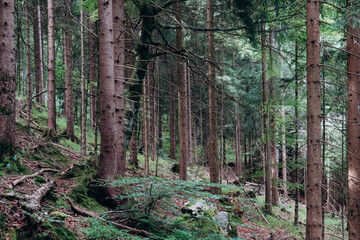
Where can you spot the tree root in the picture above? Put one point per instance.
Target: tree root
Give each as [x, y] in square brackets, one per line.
[23, 178]
[31, 202]
[95, 215]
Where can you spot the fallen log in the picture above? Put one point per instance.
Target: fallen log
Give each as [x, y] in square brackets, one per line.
[95, 215]
[23, 178]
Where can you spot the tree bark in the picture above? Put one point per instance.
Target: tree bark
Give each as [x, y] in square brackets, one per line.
[266, 159]
[237, 146]
[69, 98]
[283, 154]
[172, 116]
[273, 128]
[28, 70]
[353, 131]
[7, 78]
[213, 153]
[51, 70]
[182, 101]
[92, 74]
[107, 162]
[37, 61]
[119, 51]
[83, 86]
[296, 124]
[313, 190]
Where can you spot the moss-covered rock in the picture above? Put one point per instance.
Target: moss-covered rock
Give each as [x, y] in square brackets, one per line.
[54, 231]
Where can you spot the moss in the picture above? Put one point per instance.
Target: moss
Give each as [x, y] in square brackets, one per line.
[54, 231]
[12, 234]
[39, 180]
[5, 111]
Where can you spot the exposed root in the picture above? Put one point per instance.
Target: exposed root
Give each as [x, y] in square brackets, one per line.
[95, 215]
[31, 202]
[23, 178]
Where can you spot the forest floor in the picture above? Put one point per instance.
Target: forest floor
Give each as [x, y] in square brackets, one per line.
[39, 185]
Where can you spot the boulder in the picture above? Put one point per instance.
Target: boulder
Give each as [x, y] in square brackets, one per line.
[200, 207]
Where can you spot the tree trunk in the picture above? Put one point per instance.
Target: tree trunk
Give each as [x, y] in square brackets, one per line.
[119, 51]
[296, 123]
[213, 155]
[313, 190]
[237, 146]
[69, 94]
[266, 158]
[145, 134]
[172, 116]
[51, 70]
[272, 128]
[107, 162]
[353, 131]
[41, 58]
[7, 79]
[37, 61]
[92, 73]
[83, 89]
[182, 101]
[28, 69]
[283, 153]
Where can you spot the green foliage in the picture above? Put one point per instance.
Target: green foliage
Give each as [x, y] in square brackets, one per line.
[39, 180]
[97, 229]
[12, 165]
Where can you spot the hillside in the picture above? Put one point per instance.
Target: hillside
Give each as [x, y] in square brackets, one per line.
[48, 192]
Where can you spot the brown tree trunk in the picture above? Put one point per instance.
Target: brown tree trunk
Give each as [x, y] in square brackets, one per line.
[41, 57]
[353, 131]
[69, 99]
[188, 101]
[92, 73]
[28, 69]
[119, 51]
[107, 162]
[182, 101]
[213, 155]
[83, 89]
[313, 190]
[172, 116]
[51, 70]
[265, 127]
[7, 78]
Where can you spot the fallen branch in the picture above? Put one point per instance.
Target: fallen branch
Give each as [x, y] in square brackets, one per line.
[95, 215]
[31, 202]
[23, 178]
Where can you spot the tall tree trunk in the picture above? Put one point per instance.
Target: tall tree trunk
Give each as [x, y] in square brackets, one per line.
[237, 146]
[283, 153]
[172, 116]
[7, 78]
[145, 134]
[188, 101]
[28, 69]
[353, 131]
[182, 101]
[37, 61]
[213, 156]
[107, 162]
[154, 110]
[83, 89]
[18, 53]
[92, 73]
[296, 123]
[272, 128]
[51, 71]
[119, 62]
[69, 98]
[266, 160]
[313, 190]
[41, 57]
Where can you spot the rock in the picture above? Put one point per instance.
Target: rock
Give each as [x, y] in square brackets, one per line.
[198, 208]
[222, 220]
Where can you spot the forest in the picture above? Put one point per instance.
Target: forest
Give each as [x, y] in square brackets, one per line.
[179, 119]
